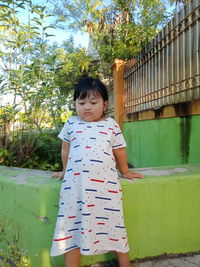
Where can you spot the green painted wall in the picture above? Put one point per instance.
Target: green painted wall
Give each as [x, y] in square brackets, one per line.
[163, 142]
[161, 212]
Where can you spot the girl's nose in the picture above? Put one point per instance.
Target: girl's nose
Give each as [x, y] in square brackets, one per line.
[87, 106]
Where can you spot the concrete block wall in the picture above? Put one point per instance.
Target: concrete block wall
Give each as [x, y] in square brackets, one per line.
[162, 212]
[162, 142]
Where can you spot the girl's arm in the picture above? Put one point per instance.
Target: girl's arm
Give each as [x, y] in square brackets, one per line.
[64, 155]
[121, 160]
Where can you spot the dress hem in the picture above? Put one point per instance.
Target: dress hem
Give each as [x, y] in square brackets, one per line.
[93, 253]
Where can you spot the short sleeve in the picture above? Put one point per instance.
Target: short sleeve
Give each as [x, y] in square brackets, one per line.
[117, 140]
[64, 133]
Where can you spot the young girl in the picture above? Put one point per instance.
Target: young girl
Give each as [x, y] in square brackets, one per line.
[90, 218]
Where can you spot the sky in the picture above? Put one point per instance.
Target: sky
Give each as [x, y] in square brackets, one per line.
[81, 39]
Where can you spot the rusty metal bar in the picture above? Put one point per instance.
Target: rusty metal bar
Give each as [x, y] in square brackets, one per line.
[168, 73]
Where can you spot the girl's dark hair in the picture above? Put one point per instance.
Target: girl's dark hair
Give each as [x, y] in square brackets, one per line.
[86, 85]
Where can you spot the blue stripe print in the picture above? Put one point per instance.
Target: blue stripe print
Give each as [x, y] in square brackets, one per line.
[105, 198]
[92, 137]
[71, 247]
[85, 170]
[111, 209]
[86, 214]
[70, 122]
[95, 160]
[75, 229]
[67, 188]
[104, 218]
[107, 153]
[60, 215]
[85, 249]
[76, 146]
[66, 140]
[101, 233]
[94, 190]
[100, 126]
[78, 160]
[117, 145]
[71, 132]
[69, 170]
[118, 133]
[110, 182]
[117, 226]
[64, 181]
[79, 201]
[77, 222]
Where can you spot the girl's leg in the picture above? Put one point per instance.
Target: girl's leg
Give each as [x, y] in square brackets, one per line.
[123, 259]
[72, 258]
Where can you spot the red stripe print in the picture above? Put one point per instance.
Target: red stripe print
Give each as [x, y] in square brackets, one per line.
[90, 230]
[71, 217]
[73, 139]
[88, 147]
[94, 180]
[103, 132]
[77, 173]
[63, 238]
[92, 205]
[114, 133]
[116, 126]
[82, 233]
[123, 237]
[96, 242]
[110, 191]
[112, 239]
[101, 223]
[110, 128]
[78, 131]
[120, 190]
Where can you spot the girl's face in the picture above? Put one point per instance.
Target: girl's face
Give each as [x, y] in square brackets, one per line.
[91, 108]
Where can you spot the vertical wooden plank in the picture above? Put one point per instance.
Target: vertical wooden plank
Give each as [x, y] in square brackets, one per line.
[118, 85]
[198, 52]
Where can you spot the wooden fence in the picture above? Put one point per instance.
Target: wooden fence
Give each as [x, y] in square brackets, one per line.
[168, 70]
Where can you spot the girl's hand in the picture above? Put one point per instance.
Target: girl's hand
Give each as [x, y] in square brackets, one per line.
[60, 175]
[132, 175]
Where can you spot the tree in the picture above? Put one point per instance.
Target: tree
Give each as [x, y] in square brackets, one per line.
[39, 76]
[118, 28]
[35, 72]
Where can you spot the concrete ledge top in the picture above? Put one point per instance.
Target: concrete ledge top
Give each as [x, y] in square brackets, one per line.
[37, 178]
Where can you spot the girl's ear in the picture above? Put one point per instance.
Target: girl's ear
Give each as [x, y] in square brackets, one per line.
[105, 105]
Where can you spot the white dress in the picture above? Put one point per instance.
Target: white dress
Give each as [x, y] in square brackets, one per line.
[90, 213]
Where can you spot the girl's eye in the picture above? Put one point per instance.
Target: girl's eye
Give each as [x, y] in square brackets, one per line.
[93, 103]
[81, 103]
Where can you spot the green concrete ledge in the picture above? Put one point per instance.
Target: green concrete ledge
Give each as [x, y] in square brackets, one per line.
[162, 212]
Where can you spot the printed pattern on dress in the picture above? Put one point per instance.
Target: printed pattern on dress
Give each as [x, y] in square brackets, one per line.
[90, 213]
